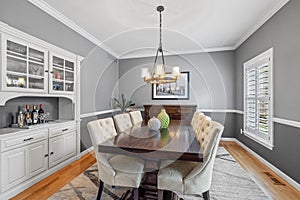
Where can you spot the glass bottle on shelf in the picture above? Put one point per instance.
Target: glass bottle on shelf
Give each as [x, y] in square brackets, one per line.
[20, 119]
[27, 114]
[41, 112]
[34, 115]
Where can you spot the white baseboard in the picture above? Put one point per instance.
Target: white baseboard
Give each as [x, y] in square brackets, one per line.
[25, 185]
[226, 139]
[272, 167]
[85, 152]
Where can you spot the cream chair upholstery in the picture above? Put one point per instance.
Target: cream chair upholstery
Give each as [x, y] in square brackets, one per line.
[203, 120]
[192, 178]
[122, 122]
[115, 170]
[136, 117]
[194, 120]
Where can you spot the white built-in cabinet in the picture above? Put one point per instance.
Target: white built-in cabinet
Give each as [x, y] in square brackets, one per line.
[31, 68]
[25, 156]
[62, 74]
[61, 148]
[24, 66]
[56, 150]
[38, 157]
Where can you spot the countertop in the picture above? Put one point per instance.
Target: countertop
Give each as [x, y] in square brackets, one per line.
[9, 130]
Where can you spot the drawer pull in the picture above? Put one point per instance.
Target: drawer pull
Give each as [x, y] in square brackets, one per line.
[65, 129]
[28, 139]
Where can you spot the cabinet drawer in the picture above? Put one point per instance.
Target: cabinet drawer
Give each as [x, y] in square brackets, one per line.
[11, 143]
[61, 130]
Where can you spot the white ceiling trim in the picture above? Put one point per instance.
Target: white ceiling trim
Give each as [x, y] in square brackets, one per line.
[63, 19]
[263, 20]
[184, 52]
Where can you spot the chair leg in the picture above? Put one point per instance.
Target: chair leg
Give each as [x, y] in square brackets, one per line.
[206, 195]
[100, 190]
[136, 193]
[160, 194]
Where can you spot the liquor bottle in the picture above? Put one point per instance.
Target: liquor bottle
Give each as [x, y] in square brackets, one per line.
[27, 114]
[34, 115]
[41, 115]
[20, 118]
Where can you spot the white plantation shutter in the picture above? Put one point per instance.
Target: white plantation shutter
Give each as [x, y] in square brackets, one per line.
[258, 105]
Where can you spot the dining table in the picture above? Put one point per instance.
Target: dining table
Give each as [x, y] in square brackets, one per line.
[177, 142]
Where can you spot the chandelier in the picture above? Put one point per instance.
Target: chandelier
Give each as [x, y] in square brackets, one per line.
[158, 74]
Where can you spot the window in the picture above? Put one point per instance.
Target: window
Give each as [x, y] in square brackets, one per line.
[258, 99]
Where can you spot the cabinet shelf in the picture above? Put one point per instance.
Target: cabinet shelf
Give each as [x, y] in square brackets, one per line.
[58, 80]
[16, 57]
[35, 76]
[35, 62]
[16, 73]
[15, 53]
[58, 66]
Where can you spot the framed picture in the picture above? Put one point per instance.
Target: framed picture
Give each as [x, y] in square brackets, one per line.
[180, 90]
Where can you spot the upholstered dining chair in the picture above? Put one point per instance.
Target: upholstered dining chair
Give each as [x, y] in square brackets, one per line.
[136, 117]
[192, 178]
[122, 121]
[114, 170]
[199, 125]
[195, 120]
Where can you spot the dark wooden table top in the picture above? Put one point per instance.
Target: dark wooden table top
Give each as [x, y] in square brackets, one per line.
[178, 142]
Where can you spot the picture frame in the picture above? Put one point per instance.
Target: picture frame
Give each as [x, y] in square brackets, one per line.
[180, 90]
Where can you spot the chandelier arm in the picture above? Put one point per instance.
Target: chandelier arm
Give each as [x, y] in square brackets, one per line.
[162, 57]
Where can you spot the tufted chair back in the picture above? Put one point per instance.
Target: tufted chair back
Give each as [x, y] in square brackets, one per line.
[101, 130]
[194, 120]
[122, 122]
[198, 123]
[136, 117]
[200, 178]
[203, 127]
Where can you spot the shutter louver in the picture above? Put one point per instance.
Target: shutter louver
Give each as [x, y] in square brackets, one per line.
[257, 97]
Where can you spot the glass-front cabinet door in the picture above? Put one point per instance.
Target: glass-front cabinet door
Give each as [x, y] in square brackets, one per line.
[62, 74]
[24, 66]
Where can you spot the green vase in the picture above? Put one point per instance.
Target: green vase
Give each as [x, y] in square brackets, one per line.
[163, 118]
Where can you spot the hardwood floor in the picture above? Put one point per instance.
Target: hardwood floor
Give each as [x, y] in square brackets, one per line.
[275, 186]
[45, 188]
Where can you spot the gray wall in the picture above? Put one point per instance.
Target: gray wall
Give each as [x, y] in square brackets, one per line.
[211, 79]
[281, 32]
[99, 81]
[26, 17]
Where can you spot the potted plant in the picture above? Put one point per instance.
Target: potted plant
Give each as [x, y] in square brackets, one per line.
[123, 103]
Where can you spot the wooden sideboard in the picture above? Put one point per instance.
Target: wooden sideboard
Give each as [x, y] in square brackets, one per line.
[176, 112]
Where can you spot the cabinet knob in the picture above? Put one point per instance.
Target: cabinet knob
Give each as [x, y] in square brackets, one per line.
[51, 72]
[46, 155]
[51, 153]
[46, 71]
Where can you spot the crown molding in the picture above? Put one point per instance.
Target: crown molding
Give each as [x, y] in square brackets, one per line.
[72, 25]
[183, 52]
[261, 22]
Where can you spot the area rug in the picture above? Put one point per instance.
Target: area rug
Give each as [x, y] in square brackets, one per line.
[230, 182]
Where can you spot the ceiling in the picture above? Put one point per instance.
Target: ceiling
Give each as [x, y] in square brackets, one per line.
[129, 28]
